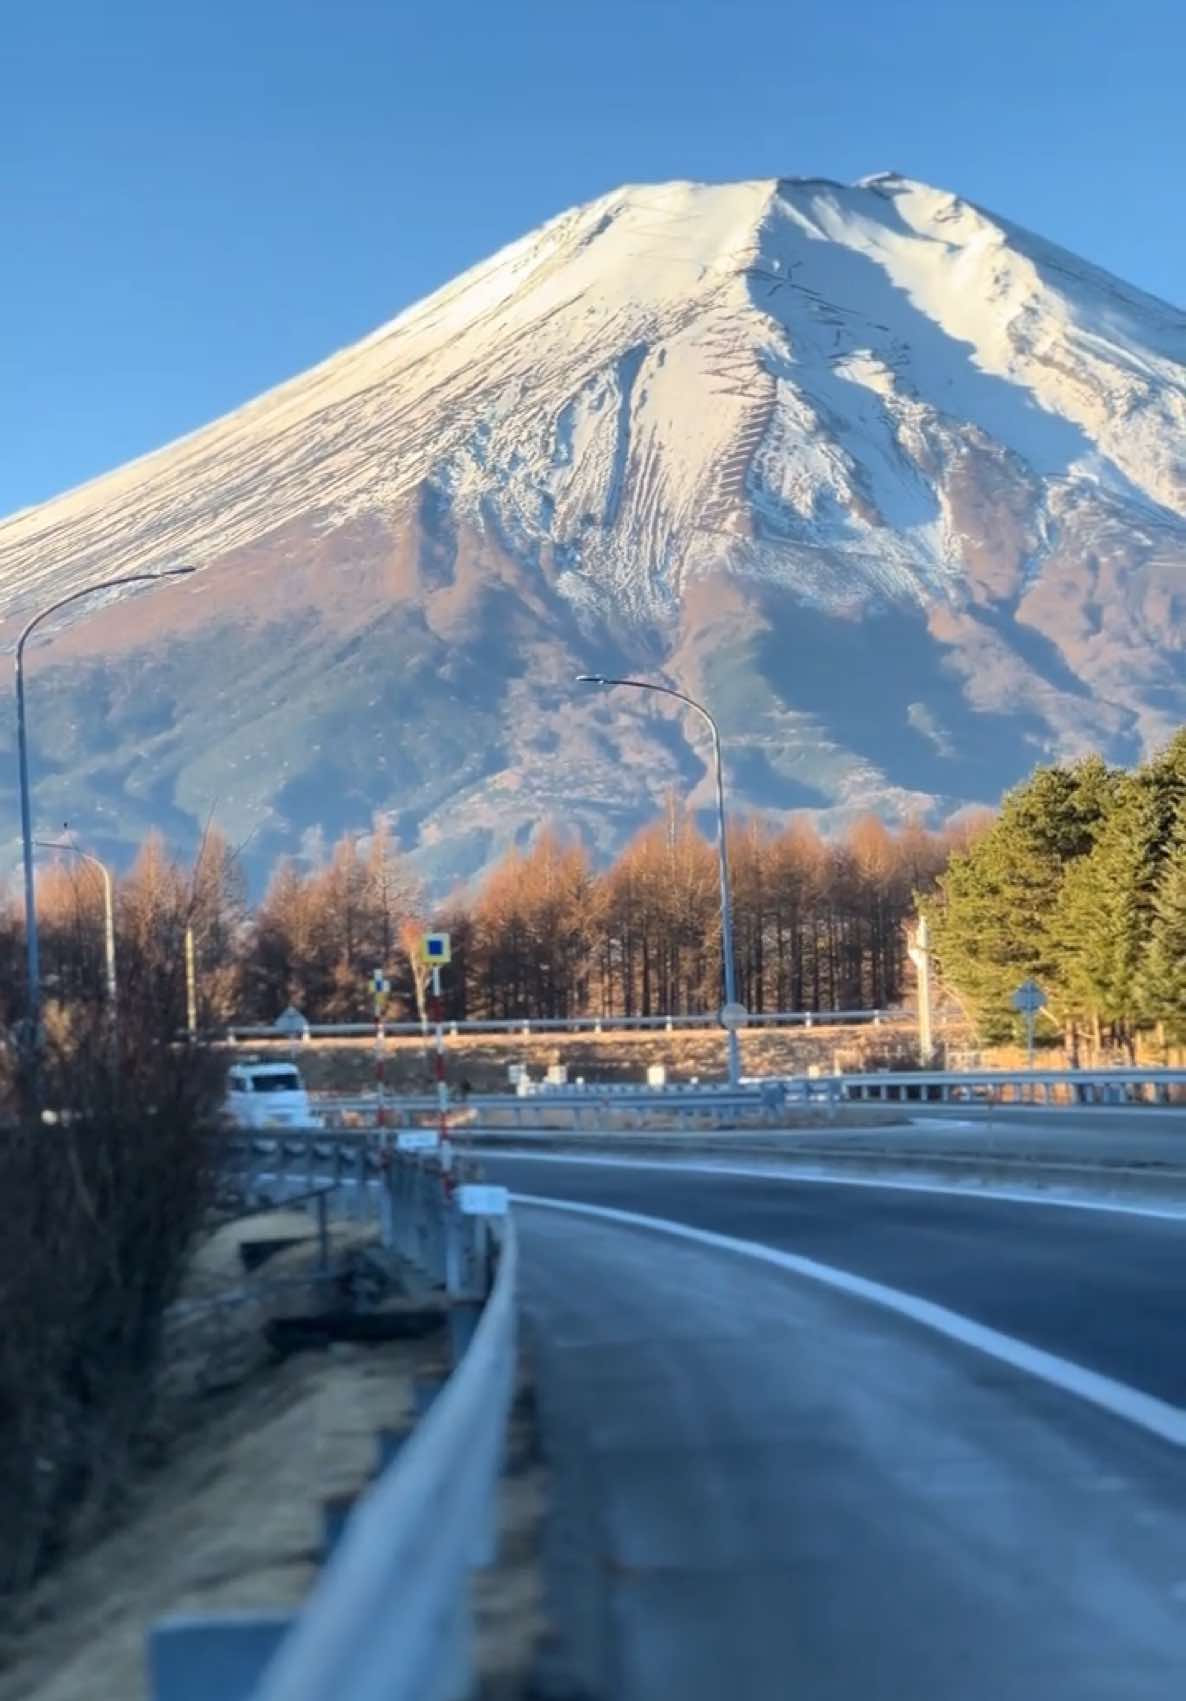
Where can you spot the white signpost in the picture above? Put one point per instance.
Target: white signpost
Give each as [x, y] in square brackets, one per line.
[437, 949]
[380, 986]
[474, 1199]
[1029, 999]
[417, 1140]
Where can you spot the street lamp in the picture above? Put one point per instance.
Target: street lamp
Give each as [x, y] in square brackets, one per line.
[108, 912]
[730, 1013]
[32, 944]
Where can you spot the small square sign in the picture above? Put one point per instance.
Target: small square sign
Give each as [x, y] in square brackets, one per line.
[476, 1200]
[437, 949]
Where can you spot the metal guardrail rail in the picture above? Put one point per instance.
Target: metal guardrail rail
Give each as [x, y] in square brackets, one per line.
[1004, 1086]
[389, 1619]
[999, 1086]
[568, 1024]
[589, 1100]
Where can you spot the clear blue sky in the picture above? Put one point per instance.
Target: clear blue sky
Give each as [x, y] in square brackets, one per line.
[199, 200]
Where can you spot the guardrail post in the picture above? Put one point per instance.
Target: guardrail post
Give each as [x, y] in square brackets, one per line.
[387, 1206]
[323, 1232]
[454, 1255]
[438, 1211]
[410, 1211]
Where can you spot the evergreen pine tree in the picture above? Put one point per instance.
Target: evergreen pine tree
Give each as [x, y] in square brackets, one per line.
[994, 916]
[1163, 974]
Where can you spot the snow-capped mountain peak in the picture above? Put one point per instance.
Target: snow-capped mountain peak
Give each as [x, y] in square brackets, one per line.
[703, 419]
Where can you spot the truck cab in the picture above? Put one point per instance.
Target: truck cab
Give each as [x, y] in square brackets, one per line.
[268, 1095]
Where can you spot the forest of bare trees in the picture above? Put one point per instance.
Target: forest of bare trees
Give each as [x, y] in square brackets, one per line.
[819, 925]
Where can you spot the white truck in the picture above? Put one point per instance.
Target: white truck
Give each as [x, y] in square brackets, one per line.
[268, 1095]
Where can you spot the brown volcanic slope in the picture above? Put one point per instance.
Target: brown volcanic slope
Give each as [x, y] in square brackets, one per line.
[898, 487]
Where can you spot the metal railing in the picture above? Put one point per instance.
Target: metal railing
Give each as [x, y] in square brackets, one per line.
[566, 1024]
[761, 1096]
[389, 1619]
[1008, 1086]
[354, 1115]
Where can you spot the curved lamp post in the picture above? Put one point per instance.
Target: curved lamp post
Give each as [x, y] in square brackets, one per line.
[32, 944]
[722, 851]
[108, 911]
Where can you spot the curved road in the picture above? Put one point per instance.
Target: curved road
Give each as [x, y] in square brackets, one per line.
[770, 1487]
[1126, 1135]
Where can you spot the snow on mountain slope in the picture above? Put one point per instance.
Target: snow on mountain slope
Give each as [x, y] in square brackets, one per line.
[901, 485]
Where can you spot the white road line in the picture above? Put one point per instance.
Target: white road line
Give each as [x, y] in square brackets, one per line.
[1147, 1412]
[830, 1178]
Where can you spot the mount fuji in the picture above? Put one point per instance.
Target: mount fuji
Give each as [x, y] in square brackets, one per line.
[897, 487]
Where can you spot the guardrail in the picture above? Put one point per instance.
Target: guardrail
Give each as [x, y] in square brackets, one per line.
[763, 1098]
[590, 1099]
[389, 1618]
[565, 1024]
[767, 1096]
[578, 1092]
[1005, 1086]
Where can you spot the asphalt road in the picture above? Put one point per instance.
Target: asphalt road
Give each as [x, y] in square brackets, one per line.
[769, 1489]
[1114, 1135]
[1136, 1135]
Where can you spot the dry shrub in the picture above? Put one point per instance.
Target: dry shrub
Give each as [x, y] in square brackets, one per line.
[104, 1191]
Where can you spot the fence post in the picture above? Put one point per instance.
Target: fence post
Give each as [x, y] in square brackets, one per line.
[387, 1204]
[323, 1231]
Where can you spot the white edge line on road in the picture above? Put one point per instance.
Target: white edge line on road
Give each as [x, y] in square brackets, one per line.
[1147, 1412]
[830, 1178]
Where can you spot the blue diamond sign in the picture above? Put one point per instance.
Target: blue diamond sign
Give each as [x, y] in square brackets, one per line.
[1029, 998]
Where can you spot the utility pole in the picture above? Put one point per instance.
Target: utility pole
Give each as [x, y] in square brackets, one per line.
[920, 956]
[32, 943]
[108, 919]
[191, 986]
[733, 1014]
[437, 949]
[382, 986]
